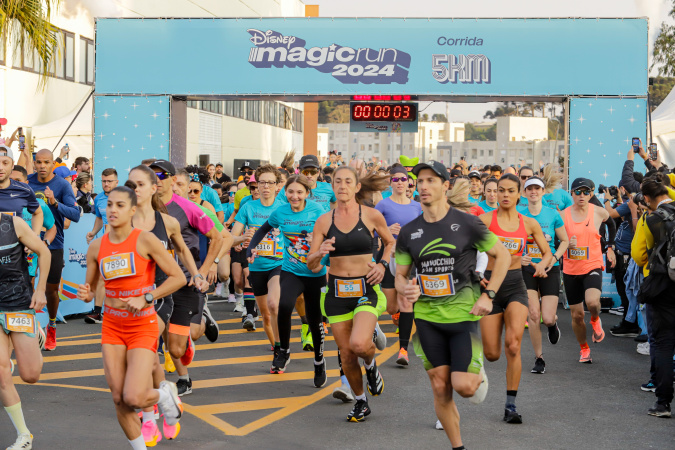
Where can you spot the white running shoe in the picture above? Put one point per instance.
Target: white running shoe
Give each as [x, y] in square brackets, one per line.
[171, 407]
[343, 392]
[482, 390]
[239, 307]
[643, 348]
[439, 425]
[231, 298]
[23, 442]
[379, 338]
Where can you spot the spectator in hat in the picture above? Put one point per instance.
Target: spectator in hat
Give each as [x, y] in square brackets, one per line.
[221, 177]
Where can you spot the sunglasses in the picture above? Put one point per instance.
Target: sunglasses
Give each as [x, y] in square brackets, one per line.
[397, 179]
[194, 191]
[252, 188]
[411, 185]
[582, 192]
[247, 172]
[231, 194]
[162, 175]
[524, 177]
[309, 172]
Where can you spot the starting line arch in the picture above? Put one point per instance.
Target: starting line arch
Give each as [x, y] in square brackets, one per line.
[146, 70]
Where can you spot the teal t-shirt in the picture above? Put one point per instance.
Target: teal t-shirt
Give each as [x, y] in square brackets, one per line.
[47, 223]
[270, 252]
[549, 219]
[558, 200]
[485, 207]
[297, 227]
[322, 194]
[475, 201]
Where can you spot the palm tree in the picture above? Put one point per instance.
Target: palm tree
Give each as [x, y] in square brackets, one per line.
[27, 21]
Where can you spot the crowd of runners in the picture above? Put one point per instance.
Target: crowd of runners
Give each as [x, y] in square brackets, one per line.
[461, 255]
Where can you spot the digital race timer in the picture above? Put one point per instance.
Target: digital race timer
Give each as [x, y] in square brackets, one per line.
[383, 112]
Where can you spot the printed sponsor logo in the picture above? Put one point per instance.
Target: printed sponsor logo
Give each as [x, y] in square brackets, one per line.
[417, 234]
[80, 258]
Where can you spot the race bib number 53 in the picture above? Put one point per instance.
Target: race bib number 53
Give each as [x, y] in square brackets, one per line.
[118, 266]
[20, 322]
[436, 285]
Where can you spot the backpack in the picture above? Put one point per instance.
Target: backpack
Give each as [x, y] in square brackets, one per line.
[662, 258]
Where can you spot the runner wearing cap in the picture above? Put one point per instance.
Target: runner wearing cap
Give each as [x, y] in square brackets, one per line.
[583, 263]
[489, 202]
[14, 195]
[509, 304]
[322, 193]
[442, 245]
[524, 173]
[476, 187]
[548, 288]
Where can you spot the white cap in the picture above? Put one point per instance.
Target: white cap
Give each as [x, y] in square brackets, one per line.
[6, 151]
[534, 181]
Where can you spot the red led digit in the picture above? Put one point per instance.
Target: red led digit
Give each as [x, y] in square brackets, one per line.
[386, 112]
[378, 112]
[397, 112]
[358, 111]
[367, 111]
[406, 112]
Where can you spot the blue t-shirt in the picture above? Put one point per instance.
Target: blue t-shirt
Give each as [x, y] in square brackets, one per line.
[17, 196]
[244, 201]
[558, 200]
[549, 219]
[396, 213]
[296, 228]
[100, 204]
[270, 252]
[624, 233]
[66, 208]
[475, 201]
[322, 194]
[228, 209]
[47, 223]
[485, 207]
[387, 193]
[211, 196]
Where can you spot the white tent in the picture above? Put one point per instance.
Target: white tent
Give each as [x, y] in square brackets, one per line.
[79, 136]
[663, 129]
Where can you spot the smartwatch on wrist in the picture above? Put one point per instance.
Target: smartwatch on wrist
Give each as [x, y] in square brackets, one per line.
[149, 298]
[491, 294]
[216, 261]
[385, 264]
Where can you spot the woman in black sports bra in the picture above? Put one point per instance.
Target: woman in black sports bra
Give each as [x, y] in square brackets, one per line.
[354, 300]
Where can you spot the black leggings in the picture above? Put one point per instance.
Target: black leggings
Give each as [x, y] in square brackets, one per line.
[291, 287]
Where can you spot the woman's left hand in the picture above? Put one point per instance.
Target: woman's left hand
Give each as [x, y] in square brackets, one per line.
[376, 273]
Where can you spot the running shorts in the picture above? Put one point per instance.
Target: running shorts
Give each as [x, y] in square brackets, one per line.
[164, 308]
[197, 317]
[258, 280]
[577, 285]
[56, 267]
[239, 258]
[512, 290]
[545, 286]
[449, 344]
[346, 297]
[389, 280]
[19, 322]
[120, 327]
[185, 306]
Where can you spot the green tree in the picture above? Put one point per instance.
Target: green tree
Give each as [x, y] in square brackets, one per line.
[439, 118]
[26, 22]
[339, 114]
[471, 133]
[664, 48]
[660, 90]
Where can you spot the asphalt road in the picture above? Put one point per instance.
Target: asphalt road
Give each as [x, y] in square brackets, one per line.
[237, 404]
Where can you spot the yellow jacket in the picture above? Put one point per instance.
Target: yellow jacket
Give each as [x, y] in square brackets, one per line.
[642, 240]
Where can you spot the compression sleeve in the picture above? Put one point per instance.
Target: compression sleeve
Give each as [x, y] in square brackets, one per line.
[611, 231]
[258, 236]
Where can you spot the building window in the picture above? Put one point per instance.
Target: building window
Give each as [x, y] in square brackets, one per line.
[377, 135]
[212, 106]
[490, 152]
[297, 120]
[65, 57]
[2, 50]
[86, 61]
[363, 147]
[482, 152]
[398, 147]
[388, 147]
[370, 147]
[331, 135]
[431, 135]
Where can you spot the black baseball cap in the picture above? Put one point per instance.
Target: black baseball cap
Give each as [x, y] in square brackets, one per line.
[165, 165]
[582, 183]
[474, 174]
[438, 168]
[309, 161]
[219, 164]
[246, 165]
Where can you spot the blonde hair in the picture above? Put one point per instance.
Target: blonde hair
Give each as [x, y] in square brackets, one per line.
[458, 196]
[371, 183]
[551, 177]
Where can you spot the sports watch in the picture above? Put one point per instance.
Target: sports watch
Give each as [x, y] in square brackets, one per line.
[490, 293]
[385, 264]
[149, 298]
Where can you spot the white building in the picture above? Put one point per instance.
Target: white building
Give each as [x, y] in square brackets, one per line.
[224, 131]
[322, 142]
[389, 146]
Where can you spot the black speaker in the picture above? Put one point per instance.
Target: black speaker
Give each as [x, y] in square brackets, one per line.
[204, 160]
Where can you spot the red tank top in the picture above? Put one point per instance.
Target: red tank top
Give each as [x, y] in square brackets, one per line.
[125, 271]
[587, 256]
[514, 241]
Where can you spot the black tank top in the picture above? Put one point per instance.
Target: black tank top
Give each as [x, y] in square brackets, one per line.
[160, 231]
[14, 282]
[358, 241]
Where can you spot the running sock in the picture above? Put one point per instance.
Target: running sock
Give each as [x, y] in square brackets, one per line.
[249, 301]
[344, 380]
[361, 397]
[405, 324]
[277, 345]
[369, 366]
[138, 443]
[584, 346]
[149, 416]
[511, 397]
[97, 310]
[595, 320]
[185, 377]
[303, 319]
[342, 372]
[163, 396]
[16, 416]
[239, 296]
[52, 322]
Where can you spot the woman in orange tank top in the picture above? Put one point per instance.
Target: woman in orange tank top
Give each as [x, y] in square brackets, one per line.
[510, 303]
[125, 258]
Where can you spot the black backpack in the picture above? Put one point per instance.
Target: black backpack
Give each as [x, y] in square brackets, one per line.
[662, 258]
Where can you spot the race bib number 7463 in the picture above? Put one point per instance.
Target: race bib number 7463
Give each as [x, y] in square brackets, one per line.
[20, 322]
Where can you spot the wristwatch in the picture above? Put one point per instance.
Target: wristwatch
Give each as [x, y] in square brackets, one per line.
[216, 261]
[149, 298]
[385, 264]
[490, 293]
[199, 275]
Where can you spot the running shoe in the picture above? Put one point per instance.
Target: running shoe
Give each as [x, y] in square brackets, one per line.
[641, 338]
[585, 356]
[155, 410]
[170, 431]
[626, 329]
[539, 366]
[231, 299]
[280, 362]
[50, 345]
[11, 367]
[659, 410]
[306, 338]
[511, 415]
[93, 318]
[320, 374]
[239, 307]
[359, 411]
[648, 386]
[151, 434]
[403, 359]
[23, 442]
[379, 338]
[374, 381]
[439, 425]
[211, 331]
[344, 391]
[184, 387]
[42, 339]
[169, 366]
[643, 348]
[598, 332]
[618, 311]
[395, 317]
[189, 355]
[554, 333]
[249, 323]
[479, 396]
[171, 407]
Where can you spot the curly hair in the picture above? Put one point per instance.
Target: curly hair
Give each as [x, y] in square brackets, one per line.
[201, 173]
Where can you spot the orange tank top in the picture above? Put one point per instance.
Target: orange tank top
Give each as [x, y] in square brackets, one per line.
[514, 241]
[126, 273]
[587, 256]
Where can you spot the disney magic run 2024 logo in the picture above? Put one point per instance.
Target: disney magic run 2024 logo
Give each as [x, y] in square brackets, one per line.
[348, 65]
